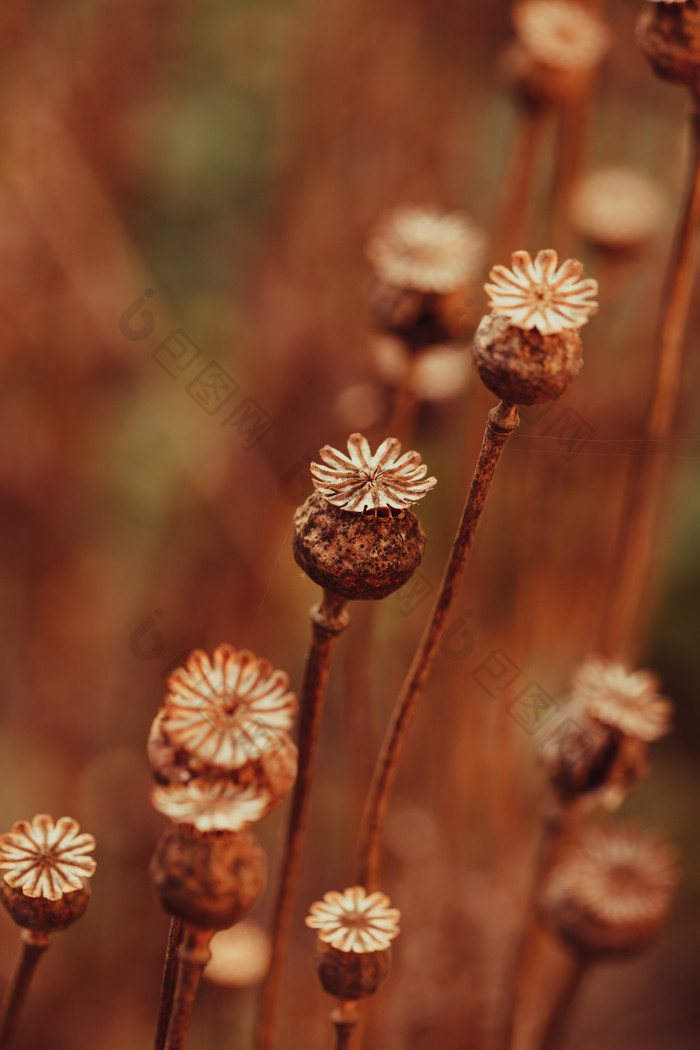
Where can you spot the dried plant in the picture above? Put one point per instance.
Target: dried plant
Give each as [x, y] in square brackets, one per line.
[514, 375]
[45, 867]
[354, 934]
[352, 555]
[608, 896]
[224, 722]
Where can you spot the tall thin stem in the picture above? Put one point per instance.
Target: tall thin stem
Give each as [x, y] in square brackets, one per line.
[344, 1019]
[32, 947]
[565, 995]
[328, 620]
[501, 423]
[638, 521]
[193, 955]
[167, 988]
[520, 177]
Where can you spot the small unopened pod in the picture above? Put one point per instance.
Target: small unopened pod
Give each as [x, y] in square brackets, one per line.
[46, 868]
[354, 934]
[356, 535]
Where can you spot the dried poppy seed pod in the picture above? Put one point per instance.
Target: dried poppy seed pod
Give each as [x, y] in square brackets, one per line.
[525, 367]
[226, 717]
[617, 209]
[424, 261]
[208, 879]
[611, 892]
[353, 950]
[528, 350]
[559, 46]
[349, 975]
[42, 915]
[45, 872]
[668, 35]
[355, 535]
[591, 763]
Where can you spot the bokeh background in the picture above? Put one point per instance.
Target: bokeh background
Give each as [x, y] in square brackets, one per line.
[198, 180]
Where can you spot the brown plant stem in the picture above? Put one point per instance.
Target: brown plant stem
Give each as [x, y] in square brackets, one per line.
[32, 947]
[501, 423]
[554, 824]
[638, 523]
[520, 177]
[572, 140]
[328, 620]
[167, 988]
[193, 956]
[344, 1019]
[565, 995]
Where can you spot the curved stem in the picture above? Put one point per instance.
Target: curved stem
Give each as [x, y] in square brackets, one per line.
[167, 988]
[638, 520]
[344, 1019]
[193, 956]
[32, 947]
[327, 621]
[501, 423]
[565, 996]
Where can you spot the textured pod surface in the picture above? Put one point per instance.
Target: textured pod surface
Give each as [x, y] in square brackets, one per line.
[356, 556]
[524, 367]
[351, 975]
[669, 37]
[39, 913]
[209, 879]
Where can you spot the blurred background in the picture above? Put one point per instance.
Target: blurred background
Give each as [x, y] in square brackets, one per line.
[185, 192]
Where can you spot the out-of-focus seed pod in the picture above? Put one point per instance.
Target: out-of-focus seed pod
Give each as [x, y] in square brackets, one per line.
[208, 879]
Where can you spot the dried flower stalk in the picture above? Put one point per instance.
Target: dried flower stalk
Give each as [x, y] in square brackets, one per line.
[344, 1020]
[32, 947]
[193, 954]
[638, 523]
[501, 423]
[328, 620]
[176, 933]
[45, 887]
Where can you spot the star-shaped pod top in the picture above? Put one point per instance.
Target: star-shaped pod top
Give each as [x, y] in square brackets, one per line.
[541, 294]
[426, 250]
[628, 701]
[363, 481]
[230, 709]
[355, 921]
[46, 859]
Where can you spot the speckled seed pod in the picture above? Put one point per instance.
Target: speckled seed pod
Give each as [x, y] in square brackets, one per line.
[41, 914]
[356, 556]
[351, 975]
[522, 366]
[208, 879]
[669, 37]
